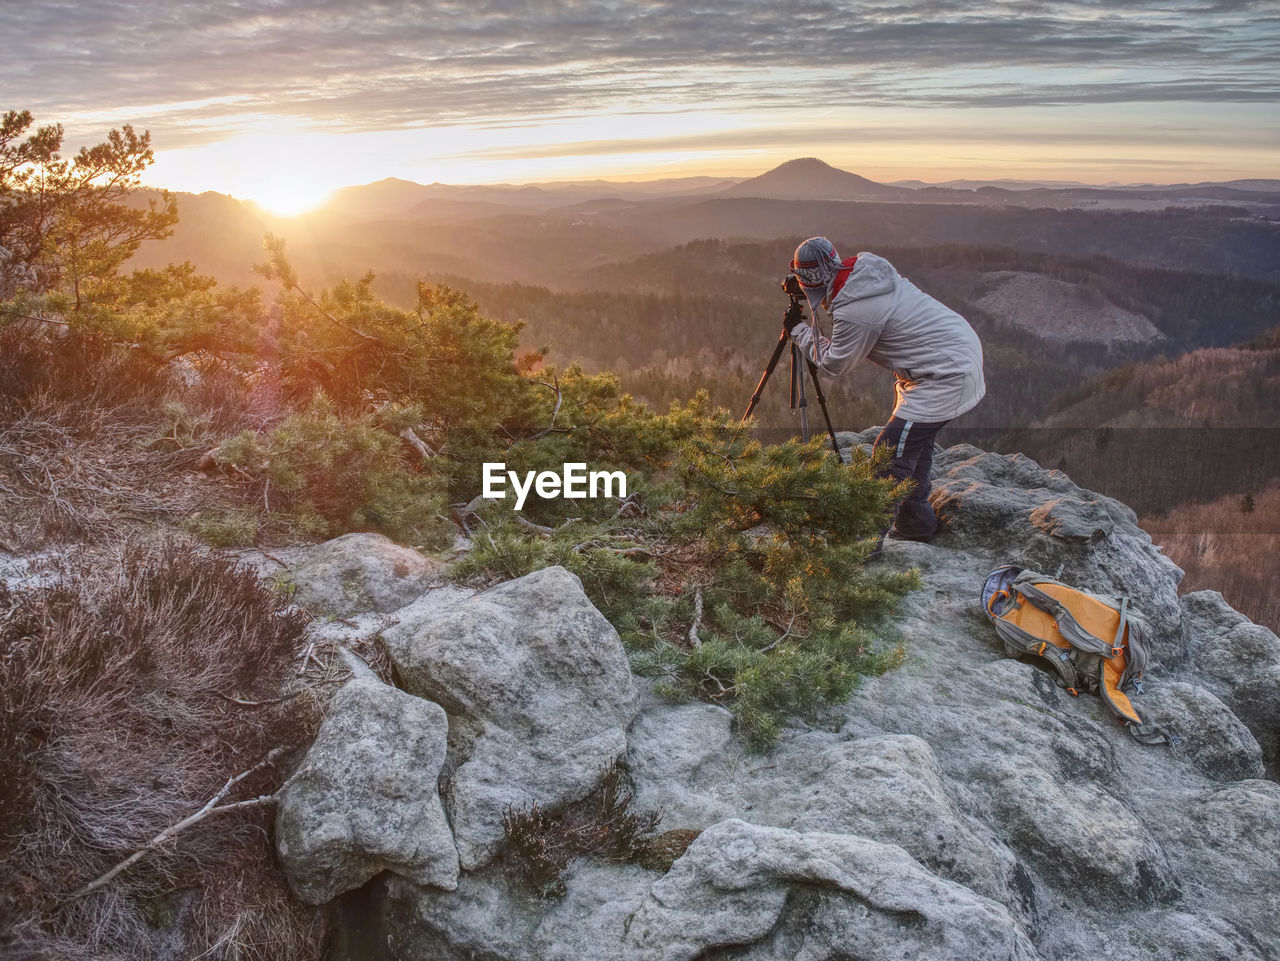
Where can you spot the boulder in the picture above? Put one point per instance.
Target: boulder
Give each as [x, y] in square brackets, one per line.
[1228, 841]
[1011, 508]
[360, 573]
[886, 788]
[732, 885]
[1213, 737]
[539, 693]
[1240, 662]
[960, 805]
[367, 799]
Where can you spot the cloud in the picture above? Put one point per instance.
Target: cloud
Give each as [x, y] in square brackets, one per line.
[370, 65]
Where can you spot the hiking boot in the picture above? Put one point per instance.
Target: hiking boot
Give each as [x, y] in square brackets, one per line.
[897, 535]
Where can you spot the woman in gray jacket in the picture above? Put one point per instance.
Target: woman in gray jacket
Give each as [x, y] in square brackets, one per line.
[935, 356]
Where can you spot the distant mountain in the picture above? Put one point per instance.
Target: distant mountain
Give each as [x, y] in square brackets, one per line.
[1217, 387]
[394, 198]
[222, 236]
[1003, 183]
[391, 197]
[811, 179]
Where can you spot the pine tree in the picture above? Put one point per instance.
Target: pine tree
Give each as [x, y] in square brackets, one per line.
[65, 223]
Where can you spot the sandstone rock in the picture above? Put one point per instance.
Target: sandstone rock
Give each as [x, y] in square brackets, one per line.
[368, 799]
[1229, 840]
[1240, 662]
[885, 788]
[733, 883]
[679, 754]
[1176, 934]
[360, 573]
[1018, 511]
[1213, 737]
[539, 693]
[961, 783]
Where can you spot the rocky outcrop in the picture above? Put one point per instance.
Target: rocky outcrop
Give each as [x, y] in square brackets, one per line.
[366, 798]
[734, 882]
[1240, 662]
[539, 694]
[360, 573]
[960, 806]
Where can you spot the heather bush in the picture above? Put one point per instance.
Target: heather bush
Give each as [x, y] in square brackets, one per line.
[132, 687]
[540, 843]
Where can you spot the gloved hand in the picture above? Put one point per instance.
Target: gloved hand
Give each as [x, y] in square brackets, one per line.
[793, 317]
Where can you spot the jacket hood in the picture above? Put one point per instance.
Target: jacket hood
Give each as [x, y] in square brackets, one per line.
[871, 276]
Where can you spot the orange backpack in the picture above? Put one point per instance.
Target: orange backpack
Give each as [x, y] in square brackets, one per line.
[1091, 642]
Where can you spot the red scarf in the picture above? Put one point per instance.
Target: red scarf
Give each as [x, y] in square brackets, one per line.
[846, 268]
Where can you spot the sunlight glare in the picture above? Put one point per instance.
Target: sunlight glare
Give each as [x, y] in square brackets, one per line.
[280, 171]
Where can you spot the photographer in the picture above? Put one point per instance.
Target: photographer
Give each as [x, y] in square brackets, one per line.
[933, 352]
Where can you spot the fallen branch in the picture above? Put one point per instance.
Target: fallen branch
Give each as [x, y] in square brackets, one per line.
[697, 619]
[244, 703]
[417, 443]
[544, 531]
[210, 808]
[629, 507]
[785, 634]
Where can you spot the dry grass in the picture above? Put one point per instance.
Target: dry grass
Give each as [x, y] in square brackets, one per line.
[541, 843]
[118, 718]
[88, 437]
[1231, 545]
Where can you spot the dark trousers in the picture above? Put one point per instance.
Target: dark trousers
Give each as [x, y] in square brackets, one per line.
[912, 445]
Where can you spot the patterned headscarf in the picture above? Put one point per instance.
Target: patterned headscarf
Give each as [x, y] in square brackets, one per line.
[815, 264]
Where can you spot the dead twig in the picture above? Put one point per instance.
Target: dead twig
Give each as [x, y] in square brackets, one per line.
[629, 507]
[555, 413]
[785, 634]
[417, 443]
[210, 808]
[544, 531]
[244, 703]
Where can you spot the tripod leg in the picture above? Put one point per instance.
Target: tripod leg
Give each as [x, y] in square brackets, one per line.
[822, 402]
[764, 378]
[798, 398]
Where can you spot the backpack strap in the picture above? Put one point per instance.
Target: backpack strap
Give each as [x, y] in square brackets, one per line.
[1017, 641]
[1068, 626]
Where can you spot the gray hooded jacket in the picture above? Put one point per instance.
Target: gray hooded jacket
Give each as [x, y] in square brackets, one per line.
[933, 352]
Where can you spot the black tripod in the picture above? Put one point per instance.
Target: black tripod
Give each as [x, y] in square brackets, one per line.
[798, 399]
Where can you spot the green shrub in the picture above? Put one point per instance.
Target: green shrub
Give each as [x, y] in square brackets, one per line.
[225, 528]
[323, 473]
[739, 575]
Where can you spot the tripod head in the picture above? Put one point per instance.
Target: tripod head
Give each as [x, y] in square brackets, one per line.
[791, 286]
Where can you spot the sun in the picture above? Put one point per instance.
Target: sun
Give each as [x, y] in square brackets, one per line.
[286, 193]
[281, 172]
[285, 172]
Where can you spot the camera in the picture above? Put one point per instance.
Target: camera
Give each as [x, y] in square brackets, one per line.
[791, 285]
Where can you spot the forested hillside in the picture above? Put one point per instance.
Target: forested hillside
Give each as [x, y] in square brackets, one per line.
[562, 238]
[706, 315]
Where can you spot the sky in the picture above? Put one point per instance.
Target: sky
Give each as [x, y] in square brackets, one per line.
[280, 101]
